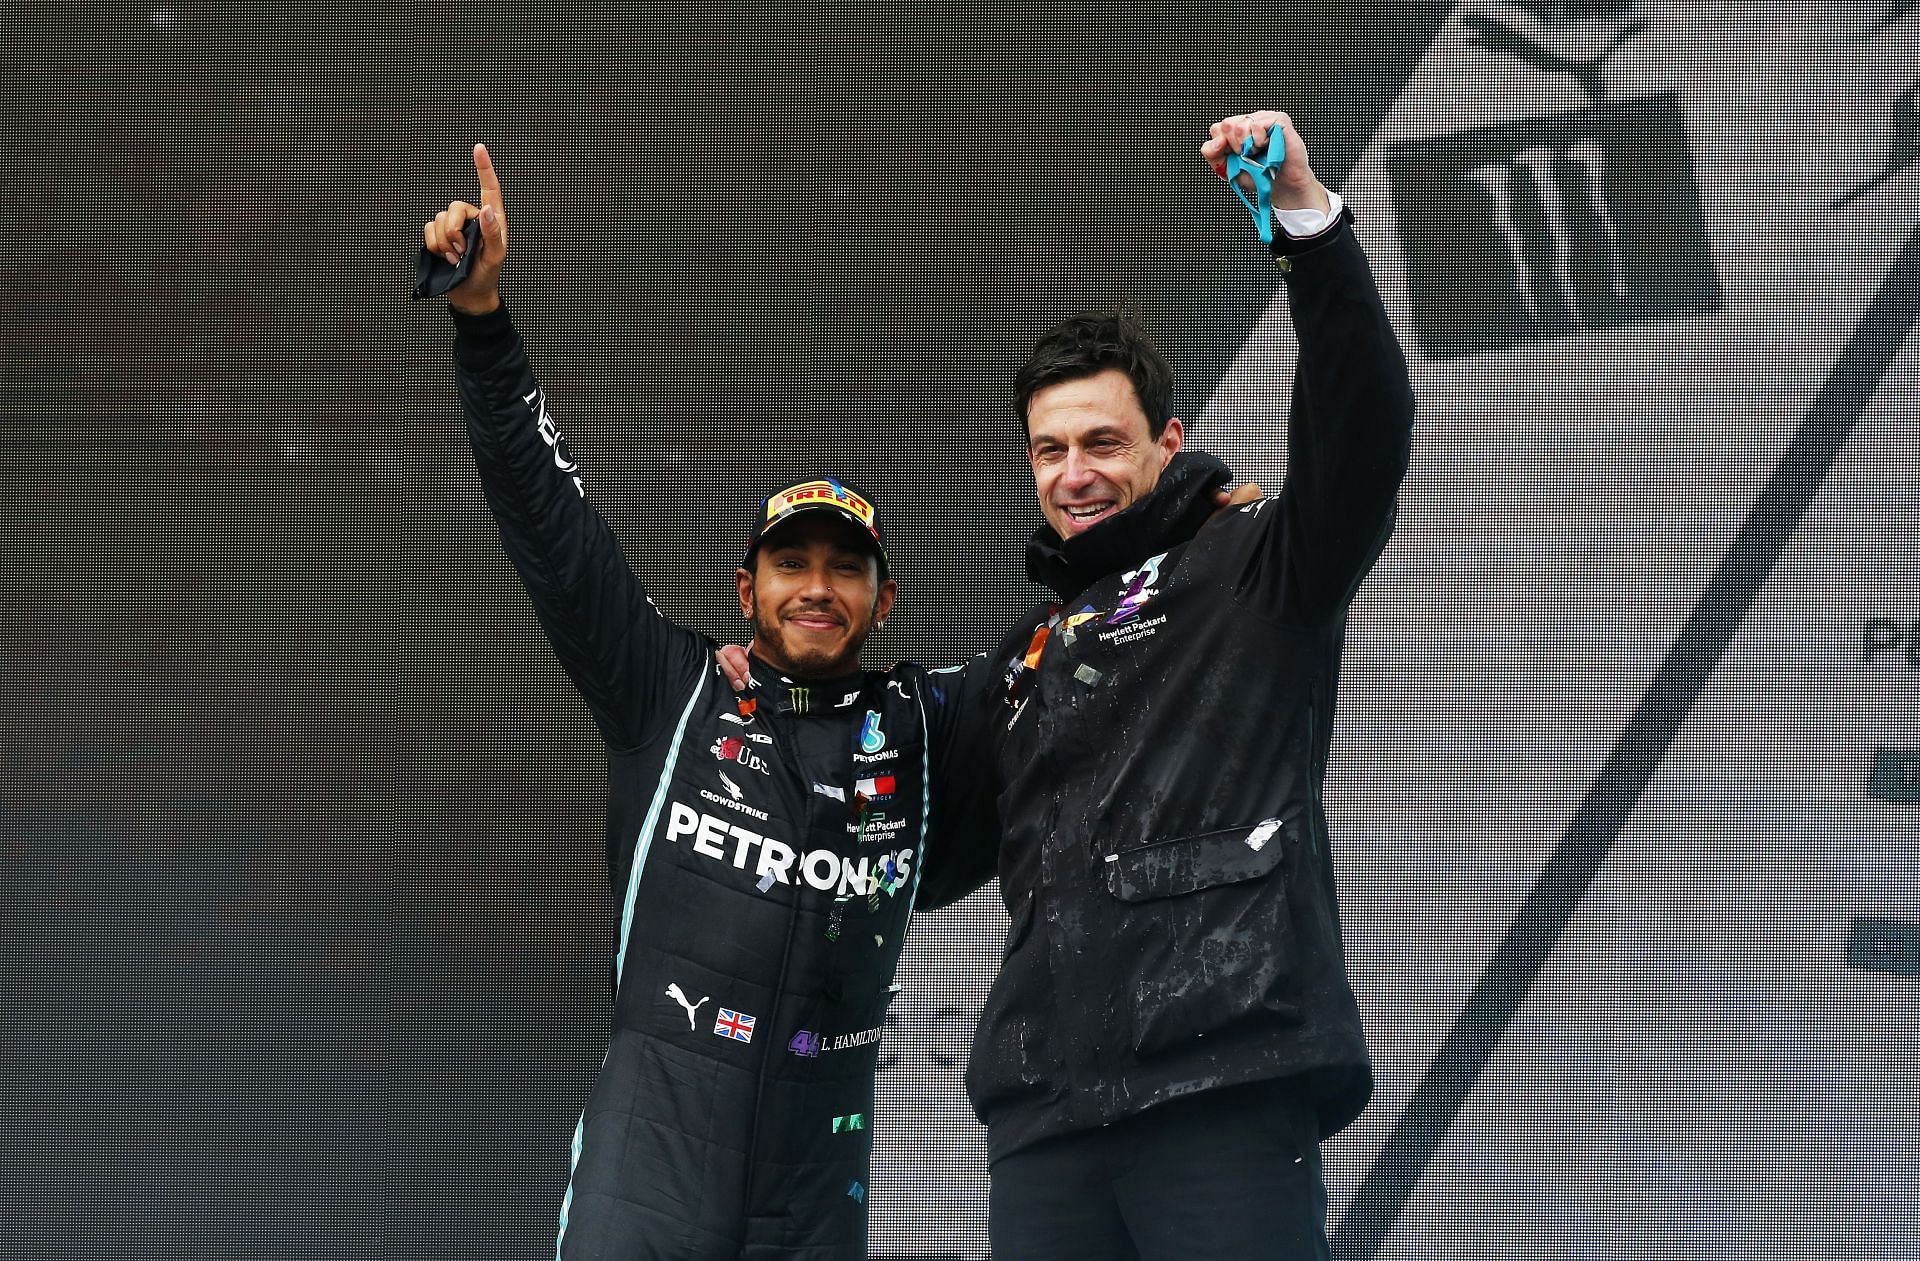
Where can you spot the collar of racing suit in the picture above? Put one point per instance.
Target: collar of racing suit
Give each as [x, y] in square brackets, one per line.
[784, 694]
[1171, 513]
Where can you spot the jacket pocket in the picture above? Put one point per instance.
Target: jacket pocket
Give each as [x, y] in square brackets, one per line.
[1165, 869]
[1206, 931]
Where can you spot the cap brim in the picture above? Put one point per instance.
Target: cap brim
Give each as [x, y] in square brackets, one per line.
[823, 511]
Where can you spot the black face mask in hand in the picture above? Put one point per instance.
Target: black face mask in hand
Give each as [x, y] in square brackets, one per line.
[434, 275]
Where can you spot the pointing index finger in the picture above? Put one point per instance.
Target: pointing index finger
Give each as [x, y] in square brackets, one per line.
[489, 180]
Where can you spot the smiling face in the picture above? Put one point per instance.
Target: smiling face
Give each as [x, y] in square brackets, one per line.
[1091, 450]
[813, 596]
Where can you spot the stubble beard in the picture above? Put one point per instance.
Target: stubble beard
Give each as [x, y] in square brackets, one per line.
[768, 633]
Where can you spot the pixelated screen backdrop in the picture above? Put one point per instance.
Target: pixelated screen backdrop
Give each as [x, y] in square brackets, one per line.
[302, 916]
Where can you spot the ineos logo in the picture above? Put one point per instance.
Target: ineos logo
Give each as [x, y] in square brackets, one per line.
[550, 434]
[734, 749]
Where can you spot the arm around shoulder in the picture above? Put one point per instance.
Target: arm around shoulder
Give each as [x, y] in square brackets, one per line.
[963, 836]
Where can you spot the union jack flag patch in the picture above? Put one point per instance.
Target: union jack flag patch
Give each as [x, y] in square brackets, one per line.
[733, 1024]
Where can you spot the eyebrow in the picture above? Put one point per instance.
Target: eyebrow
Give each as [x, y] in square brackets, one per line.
[1103, 431]
[838, 553]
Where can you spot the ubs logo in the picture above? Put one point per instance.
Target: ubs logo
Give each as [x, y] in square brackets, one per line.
[734, 749]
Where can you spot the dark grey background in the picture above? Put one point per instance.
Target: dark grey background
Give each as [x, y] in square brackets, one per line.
[303, 900]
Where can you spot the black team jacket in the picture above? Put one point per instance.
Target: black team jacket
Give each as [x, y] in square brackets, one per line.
[1162, 744]
[763, 851]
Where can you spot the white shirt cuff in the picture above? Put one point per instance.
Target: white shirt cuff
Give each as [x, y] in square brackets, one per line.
[1300, 224]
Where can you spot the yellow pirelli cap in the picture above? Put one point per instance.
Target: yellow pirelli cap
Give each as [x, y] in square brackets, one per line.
[821, 494]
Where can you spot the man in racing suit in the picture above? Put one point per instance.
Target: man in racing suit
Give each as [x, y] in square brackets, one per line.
[1172, 1030]
[765, 845]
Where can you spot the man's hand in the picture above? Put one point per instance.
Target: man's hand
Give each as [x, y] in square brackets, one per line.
[1225, 500]
[444, 235]
[732, 660]
[1295, 187]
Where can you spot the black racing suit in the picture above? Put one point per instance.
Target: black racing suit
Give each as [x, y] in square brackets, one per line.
[1165, 859]
[764, 852]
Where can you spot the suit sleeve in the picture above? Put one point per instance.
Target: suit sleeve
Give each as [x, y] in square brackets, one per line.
[1350, 432]
[623, 656]
[963, 843]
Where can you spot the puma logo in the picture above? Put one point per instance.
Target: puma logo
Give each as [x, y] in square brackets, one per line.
[1494, 36]
[673, 992]
[1906, 146]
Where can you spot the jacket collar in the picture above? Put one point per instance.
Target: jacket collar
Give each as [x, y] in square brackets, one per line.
[1169, 515]
[784, 694]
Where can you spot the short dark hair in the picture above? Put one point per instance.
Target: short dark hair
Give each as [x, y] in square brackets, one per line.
[1086, 345]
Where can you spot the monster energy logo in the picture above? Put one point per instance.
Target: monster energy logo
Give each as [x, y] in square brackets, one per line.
[1524, 232]
[799, 699]
[1556, 192]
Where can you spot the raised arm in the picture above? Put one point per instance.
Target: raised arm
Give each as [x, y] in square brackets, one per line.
[1351, 426]
[627, 661]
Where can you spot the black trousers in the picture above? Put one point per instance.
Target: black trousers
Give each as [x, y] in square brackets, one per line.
[1225, 1175]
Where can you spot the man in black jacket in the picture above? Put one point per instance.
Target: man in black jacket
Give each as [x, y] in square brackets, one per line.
[765, 845]
[1172, 1030]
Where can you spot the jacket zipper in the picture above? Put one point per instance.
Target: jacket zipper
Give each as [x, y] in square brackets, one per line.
[797, 811]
